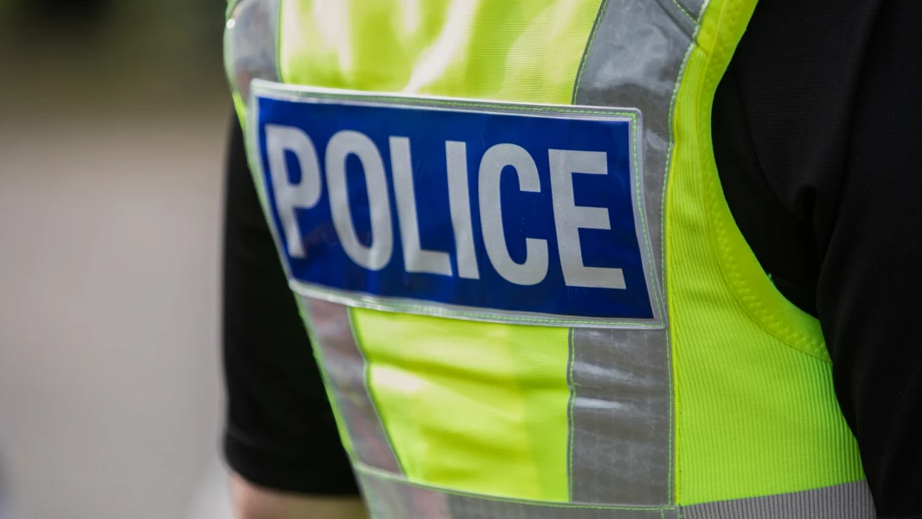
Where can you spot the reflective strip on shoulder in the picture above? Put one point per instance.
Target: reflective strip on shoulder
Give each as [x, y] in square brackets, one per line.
[392, 498]
[251, 44]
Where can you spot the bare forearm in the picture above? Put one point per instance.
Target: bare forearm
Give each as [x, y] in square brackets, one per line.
[254, 502]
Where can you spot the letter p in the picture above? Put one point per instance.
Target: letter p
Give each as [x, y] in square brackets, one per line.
[289, 195]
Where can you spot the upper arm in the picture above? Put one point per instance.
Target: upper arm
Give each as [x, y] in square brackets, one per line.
[818, 140]
[280, 431]
[869, 287]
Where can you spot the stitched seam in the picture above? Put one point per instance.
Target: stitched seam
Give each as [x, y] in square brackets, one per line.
[731, 73]
[744, 294]
[485, 105]
[468, 104]
[753, 304]
[685, 12]
[373, 472]
[437, 311]
[638, 194]
[669, 155]
[585, 58]
[570, 409]
[672, 417]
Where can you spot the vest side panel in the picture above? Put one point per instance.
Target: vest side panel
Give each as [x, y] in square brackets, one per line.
[755, 410]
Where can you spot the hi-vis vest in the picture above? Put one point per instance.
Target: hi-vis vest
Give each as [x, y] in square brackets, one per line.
[503, 222]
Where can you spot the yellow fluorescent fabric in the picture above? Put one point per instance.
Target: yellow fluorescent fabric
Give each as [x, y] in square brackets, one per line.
[470, 406]
[511, 50]
[755, 409]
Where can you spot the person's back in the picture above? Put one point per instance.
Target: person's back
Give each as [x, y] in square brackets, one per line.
[550, 268]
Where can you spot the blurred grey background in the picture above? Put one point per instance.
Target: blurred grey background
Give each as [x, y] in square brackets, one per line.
[113, 116]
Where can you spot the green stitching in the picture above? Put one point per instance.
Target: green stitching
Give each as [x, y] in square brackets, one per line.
[638, 176]
[685, 12]
[672, 102]
[675, 94]
[582, 63]
[752, 304]
[436, 311]
[639, 195]
[570, 360]
[537, 109]
[381, 474]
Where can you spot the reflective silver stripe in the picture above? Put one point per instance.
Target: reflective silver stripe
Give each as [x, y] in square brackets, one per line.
[345, 368]
[394, 498]
[621, 433]
[690, 8]
[850, 501]
[391, 498]
[621, 414]
[251, 44]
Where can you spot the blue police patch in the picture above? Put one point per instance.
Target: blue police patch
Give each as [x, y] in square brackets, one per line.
[488, 211]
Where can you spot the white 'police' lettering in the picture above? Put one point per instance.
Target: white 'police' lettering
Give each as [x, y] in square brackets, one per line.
[569, 218]
[459, 203]
[288, 195]
[414, 257]
[342, 144]
[494, 161]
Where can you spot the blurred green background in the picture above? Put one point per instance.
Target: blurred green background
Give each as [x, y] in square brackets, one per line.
[113, 117]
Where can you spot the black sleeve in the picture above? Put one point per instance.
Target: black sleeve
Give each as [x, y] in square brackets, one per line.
[869, 293]
[280, 429]
[818, 137]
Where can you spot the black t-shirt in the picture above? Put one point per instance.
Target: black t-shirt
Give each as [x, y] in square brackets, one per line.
[818, 140]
